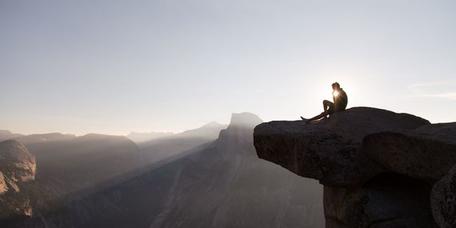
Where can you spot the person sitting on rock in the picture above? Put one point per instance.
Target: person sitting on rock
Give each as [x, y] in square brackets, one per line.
[340, 103]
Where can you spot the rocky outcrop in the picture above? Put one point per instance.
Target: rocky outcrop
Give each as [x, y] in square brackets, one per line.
[329, 150]
[17, 167]
[377, 166]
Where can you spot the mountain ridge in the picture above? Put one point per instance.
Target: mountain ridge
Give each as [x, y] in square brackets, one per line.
[216, 186]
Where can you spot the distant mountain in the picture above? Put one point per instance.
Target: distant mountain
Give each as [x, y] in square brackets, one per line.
[41, 138]
[169, 147]
[209, 131]
[140, 137]
[223, 184]
[4, 135]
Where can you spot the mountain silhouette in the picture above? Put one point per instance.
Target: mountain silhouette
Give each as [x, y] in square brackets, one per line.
[221, 184]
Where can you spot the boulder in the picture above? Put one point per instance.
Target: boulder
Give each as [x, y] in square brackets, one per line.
[328, 150]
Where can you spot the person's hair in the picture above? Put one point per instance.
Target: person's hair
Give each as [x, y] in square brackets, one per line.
[336, 84]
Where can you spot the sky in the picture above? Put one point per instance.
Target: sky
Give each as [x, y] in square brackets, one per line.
[114, 67]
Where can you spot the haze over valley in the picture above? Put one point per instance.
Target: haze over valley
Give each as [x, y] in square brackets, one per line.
[205, 177]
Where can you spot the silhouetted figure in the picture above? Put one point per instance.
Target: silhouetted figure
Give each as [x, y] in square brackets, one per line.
[340, 103]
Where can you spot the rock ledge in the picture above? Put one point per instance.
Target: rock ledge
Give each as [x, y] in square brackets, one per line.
[378, 167]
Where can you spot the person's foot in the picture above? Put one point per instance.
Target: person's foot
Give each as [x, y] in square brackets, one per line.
[306, 120]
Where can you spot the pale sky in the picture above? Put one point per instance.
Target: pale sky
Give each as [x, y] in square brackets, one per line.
[169, 65]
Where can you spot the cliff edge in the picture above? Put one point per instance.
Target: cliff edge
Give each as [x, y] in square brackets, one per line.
[379, 168]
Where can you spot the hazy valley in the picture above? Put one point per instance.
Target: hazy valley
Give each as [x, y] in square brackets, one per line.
[206, 177]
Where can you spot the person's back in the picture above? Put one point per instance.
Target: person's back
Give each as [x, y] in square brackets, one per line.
[340, 101]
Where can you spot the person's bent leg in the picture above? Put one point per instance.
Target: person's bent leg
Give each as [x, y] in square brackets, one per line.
[327, 105]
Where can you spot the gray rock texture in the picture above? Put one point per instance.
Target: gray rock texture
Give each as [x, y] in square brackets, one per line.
[428, 152]
[378, 167]
[330, 149]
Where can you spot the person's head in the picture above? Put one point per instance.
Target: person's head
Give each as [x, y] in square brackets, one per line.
[335, 86]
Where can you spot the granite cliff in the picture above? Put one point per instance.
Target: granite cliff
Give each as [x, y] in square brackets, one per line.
[379, 168]
[17, 169]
